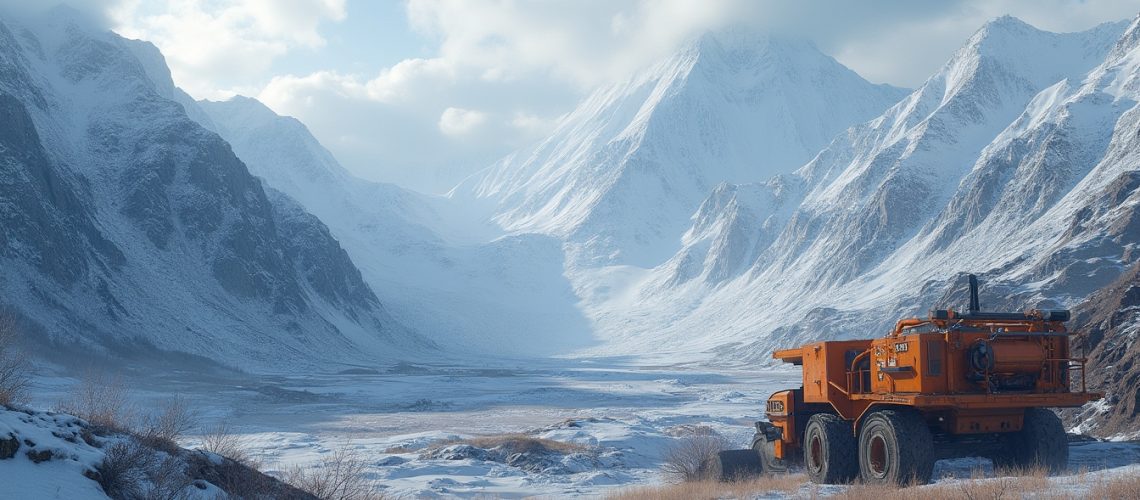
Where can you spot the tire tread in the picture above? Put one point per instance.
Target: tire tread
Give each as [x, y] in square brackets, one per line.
[842, 465]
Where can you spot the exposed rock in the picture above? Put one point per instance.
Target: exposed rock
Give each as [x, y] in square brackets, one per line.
[40, 456]
[1108, 324]
[9, 446]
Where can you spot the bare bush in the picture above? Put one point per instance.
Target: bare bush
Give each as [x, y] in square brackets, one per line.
[691, 458]
[168, 480]
[123, 471]
[102, 400]
[221, 440]
[15, 370]
[340, 476]
[131, 470]
[163, 429]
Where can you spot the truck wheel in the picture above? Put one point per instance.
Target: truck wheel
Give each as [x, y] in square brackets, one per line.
[767, 452]
[737, 465]
[829, 450]
[1041, 443]
[895, 447]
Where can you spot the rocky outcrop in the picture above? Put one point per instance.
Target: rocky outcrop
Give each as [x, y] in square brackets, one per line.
[1108, 324]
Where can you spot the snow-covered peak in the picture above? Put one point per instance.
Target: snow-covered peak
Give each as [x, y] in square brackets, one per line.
[1016, 159]
[1007, 47]
[627, 168]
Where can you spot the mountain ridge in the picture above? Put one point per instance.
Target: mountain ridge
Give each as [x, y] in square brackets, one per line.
[183, 249]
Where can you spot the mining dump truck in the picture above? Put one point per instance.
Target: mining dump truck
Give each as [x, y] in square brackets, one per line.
[954, 384]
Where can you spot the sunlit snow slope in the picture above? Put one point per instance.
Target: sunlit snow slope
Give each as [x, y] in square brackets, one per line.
[1017, 161]
[623, 173]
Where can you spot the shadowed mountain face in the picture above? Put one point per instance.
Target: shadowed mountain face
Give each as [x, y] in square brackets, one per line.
[124, 221]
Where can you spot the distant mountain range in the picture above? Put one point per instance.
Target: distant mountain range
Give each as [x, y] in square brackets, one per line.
[747, 193]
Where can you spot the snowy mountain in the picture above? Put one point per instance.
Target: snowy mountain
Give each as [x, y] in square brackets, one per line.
[1013, 161]
[440, 267]
[131, 230]
[622, 174]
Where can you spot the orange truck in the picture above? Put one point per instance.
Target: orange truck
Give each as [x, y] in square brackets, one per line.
[954, 384]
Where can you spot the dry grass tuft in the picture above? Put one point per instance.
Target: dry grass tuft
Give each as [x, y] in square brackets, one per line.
[1118, 487]
[785, 484]
[1032, 483]
[515, 443]
[399, 450]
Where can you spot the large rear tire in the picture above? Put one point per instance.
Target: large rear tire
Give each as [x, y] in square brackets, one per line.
[737, 465]
[1040, 444]
[895, 448]
[829, 450]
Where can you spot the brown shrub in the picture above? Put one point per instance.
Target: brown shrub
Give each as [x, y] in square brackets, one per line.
[163, 429]
[221, 440]
[102, 400]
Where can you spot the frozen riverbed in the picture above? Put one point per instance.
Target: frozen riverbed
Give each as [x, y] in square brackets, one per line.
[404, 422]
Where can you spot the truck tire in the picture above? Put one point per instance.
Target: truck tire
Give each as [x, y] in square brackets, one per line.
[895, 448]
[737, 465]
[829, 450]
[767, 452]
[1041, 443]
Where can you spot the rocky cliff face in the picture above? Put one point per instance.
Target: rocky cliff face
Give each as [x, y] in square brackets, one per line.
[1108, 324]
[126, 222]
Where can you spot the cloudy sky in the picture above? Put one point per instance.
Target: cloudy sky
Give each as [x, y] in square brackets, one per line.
[423, 92]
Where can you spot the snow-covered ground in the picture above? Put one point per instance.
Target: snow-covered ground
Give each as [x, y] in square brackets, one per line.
[405, 420]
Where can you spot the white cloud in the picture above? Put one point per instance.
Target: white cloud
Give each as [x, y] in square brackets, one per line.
[213, 46]
[586, 42]
[459, 121]
[522, 65]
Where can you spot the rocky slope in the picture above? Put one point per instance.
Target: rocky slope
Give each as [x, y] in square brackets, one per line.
[130, 228]
[1108, 324]
[56, 455]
